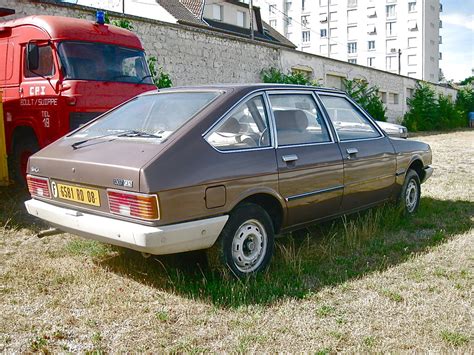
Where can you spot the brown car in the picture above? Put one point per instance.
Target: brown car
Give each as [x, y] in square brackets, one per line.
[222, 167]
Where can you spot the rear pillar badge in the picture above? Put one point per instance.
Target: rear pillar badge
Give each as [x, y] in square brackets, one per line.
[123, 182]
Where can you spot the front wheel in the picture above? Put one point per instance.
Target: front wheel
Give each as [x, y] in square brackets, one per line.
[245, 245]
[411, 192]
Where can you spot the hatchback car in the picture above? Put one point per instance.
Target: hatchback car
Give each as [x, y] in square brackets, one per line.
[223, 168]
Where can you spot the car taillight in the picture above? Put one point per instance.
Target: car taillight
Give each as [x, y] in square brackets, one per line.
[134, 205]
[38, 186]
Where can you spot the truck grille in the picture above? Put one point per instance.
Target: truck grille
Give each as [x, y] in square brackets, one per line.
[77, 119]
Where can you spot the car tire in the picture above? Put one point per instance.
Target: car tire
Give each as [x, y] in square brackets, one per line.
[411, 192]
[22, 151]
[245, 245]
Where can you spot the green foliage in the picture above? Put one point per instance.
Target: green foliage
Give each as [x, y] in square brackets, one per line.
[366, 96]
[429, 112]
[122, 22]
[160, 78]
[467, 81]
[465, 100]
[274, 75]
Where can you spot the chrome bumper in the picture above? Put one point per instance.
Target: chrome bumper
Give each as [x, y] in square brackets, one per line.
[428, 172]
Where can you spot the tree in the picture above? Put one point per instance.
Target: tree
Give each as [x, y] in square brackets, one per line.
[274, 75]
[465, 100]
[367, 97]
[423, 109]
[468, 80]
[160, 78]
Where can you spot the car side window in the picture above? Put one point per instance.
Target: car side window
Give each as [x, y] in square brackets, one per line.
[298, 119]
[46, 63]
[245, 127]
[348, 122]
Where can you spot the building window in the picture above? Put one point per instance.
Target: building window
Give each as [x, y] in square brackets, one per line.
[393, 98]
[289, 20]
[412, 25]
[383, 96]
[412, 59]
[371, 29]
[371, 12]
[370, 61]
[352, 47]
[371, 45]
[440, 39]
[411, 42]
[241, 18]
[391, 63]
[390, 11]
[273, 23]
[333, 32]
[217, 12]
[287, 6]
[306, 36]
[440, 56]
[352, 32]
[391, 29]
[272, 9]
[305, 20]
[352, 61]
[391, 46]
[351, 16]
[412, 6]
[351, 3]
[323, 18]
[323, 32]
[303, 3]
[333, 16]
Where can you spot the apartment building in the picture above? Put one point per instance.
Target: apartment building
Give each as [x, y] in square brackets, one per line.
[398, 36]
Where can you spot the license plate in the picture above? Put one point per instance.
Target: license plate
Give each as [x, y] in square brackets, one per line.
[79, 194]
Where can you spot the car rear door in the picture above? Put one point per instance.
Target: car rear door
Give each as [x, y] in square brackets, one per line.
[369, 157]
[310, 168]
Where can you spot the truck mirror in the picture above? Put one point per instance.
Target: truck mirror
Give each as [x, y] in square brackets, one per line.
[32, 57]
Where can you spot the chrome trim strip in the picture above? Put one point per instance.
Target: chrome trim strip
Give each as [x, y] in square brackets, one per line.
[317, 192]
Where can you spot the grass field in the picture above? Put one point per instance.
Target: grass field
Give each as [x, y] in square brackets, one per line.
[373, 282]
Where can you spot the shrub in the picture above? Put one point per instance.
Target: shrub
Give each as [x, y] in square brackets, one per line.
[465, 101]
[274, 75]
[428, 112]
[160, 78]
[422, 115]
[367, 97]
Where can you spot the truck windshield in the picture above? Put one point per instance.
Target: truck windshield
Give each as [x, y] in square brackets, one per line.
[103, 62]
[150, 116]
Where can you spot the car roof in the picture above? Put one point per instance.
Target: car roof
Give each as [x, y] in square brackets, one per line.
[246, 88]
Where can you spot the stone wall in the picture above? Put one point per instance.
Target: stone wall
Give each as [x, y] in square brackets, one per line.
[202, 56]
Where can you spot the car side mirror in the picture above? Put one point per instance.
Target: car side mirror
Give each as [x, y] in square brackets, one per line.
[32, 56]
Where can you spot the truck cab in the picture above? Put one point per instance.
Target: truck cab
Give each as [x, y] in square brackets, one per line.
[57, 73]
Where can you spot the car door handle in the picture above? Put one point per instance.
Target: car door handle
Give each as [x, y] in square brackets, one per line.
[289, 158]
[352, 152]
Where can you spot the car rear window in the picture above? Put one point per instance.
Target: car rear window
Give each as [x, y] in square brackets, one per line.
[157, 115]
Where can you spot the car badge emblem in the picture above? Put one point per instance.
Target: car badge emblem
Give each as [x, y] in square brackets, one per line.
[34, 169]
[123, 182]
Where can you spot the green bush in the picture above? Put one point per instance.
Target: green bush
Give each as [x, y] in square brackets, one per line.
[465, 101]
[430, 112]
[367, 97]
[274, 75]
[160, 78]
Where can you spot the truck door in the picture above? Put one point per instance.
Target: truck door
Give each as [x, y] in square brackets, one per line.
[39, 94]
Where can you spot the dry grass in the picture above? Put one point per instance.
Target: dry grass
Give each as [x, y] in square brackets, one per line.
[378, 282]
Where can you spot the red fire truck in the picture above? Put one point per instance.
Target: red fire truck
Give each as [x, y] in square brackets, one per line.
[57, 73]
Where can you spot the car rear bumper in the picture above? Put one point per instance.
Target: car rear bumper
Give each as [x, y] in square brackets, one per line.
[428, 172]
[175, 238]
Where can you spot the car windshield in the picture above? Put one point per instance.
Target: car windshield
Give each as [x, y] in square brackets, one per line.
[150, 116]
[103, 62]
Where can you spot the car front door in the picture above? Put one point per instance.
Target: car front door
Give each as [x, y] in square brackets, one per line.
[310, 168]
[369, 157]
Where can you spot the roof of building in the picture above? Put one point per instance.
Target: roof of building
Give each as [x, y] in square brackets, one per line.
[195, 6]
[183, 10]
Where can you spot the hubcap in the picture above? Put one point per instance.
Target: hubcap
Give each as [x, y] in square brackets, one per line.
[249, 245]
[411, 197]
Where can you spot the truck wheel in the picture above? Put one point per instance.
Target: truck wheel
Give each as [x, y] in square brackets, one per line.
[411, 192]
[245, 245]
[21, 153]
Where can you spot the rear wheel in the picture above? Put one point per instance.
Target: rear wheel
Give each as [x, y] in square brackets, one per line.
[23, 149]
[245, 245]
[411, 192]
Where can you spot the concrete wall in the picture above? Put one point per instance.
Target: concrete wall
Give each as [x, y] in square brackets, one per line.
[201, 56]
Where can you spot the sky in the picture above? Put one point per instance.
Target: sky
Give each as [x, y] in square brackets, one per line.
[458, 39]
